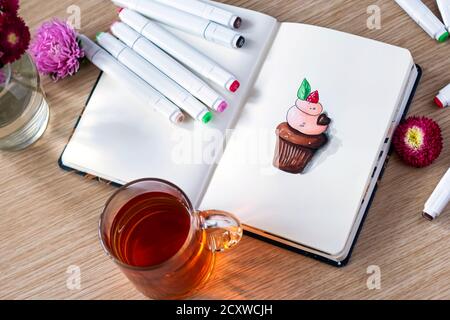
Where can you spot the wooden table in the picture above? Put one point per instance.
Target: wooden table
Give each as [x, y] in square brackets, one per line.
[48, 218]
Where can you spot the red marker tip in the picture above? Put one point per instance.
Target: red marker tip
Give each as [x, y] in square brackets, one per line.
[235, 86]
[119, 10]
[438, 102]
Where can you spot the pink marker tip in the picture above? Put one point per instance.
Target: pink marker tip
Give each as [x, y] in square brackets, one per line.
[235, 86]
[438, 102]
[119, 10]
[222, 106]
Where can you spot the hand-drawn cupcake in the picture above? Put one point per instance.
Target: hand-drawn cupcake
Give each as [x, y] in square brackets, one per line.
[304, 132]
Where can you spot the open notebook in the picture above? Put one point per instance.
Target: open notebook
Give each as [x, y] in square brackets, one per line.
[364, 87]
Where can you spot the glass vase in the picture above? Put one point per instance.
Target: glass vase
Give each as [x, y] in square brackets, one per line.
[24, 112]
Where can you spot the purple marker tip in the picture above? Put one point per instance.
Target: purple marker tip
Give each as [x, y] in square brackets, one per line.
[222, 106]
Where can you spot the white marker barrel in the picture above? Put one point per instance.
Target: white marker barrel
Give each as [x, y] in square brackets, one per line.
[444, 8]
[439, 199]
[184, 21]
[443, 97]
[158, 80]
[168, 65]
[206, 11]
[180, 50]
[424, 18]
[128, 79]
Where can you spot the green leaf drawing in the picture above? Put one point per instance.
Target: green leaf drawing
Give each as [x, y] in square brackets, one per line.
[304, 90]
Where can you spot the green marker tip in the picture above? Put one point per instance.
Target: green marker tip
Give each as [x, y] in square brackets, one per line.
[207, 117]
[444, 37]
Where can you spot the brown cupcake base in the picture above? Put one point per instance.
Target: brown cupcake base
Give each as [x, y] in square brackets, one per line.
[294, 150]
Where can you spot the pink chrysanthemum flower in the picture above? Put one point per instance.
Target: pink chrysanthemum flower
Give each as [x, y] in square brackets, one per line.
[56, 51]
[418, 141]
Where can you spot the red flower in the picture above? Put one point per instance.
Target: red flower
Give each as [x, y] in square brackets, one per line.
[418, 141]
[9, 6]
[14, 38]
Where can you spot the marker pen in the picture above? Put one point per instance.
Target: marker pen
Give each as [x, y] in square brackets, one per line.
[442, 100]
[172, 68]
[150, 74]
[180, 50]
[184, 21]
[444, 8]
[132, 82]
[424, 18]
[207, 11]
[439, 199]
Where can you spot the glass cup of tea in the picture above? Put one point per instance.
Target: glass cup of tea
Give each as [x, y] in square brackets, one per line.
[162, 244]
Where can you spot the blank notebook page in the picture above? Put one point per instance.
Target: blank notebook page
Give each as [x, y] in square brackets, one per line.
[360, 83]
[120, 139]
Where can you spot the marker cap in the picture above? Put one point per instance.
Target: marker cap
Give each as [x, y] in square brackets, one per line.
[115, 47]
[223, 17]
[125, 33]
[434, 210]
[441, 100]
[126, 3]
[171, 111]
[224, 36]
[195, 109]
[212, 99]
[439, 199]
[133, 19]
[90, 48]
[444, 8]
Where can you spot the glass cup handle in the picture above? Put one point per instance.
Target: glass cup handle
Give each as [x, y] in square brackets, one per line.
[223, 228]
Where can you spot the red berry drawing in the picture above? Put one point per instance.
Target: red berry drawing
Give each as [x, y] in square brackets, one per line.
[313, 97]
